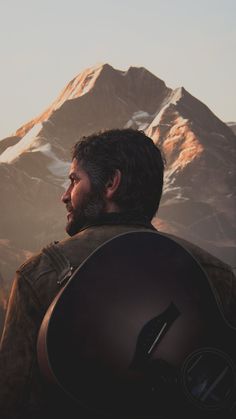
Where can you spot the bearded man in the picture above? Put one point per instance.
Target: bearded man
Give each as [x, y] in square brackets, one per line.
[116, 180]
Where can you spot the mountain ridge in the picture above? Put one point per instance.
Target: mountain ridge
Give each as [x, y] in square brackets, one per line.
[198, 201]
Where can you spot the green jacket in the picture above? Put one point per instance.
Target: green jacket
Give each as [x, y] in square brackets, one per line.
[23, 392]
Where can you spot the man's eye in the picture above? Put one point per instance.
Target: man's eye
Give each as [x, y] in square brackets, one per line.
[75, 180]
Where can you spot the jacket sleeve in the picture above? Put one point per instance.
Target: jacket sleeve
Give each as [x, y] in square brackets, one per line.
[18, 348]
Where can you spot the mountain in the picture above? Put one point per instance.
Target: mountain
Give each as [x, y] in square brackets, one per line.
[98, 98]
[199, 196]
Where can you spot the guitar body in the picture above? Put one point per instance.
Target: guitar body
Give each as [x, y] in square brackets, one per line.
[137, 330]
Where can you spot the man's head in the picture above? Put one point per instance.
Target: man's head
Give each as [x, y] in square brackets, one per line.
[113, 171]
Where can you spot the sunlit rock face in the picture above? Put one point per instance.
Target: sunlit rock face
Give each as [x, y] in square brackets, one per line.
[198, 201]
[199, 194]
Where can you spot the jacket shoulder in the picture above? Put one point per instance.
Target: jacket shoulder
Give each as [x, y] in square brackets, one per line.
[77, 248]
[30, 264]
[43, 272]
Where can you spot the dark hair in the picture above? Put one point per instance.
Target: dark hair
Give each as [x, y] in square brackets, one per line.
[138, 159]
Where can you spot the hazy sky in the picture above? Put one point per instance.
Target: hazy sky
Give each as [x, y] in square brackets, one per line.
[44, 44]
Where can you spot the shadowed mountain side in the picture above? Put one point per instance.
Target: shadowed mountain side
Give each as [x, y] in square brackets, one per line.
[31, 213]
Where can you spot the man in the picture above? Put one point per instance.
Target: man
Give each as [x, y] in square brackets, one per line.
[116, 180]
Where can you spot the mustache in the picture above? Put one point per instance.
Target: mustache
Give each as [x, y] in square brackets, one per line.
[69, 207]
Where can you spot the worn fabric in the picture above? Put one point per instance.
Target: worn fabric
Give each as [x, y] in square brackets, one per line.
[23, 392]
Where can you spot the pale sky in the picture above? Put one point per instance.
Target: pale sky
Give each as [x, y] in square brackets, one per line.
[46, 43]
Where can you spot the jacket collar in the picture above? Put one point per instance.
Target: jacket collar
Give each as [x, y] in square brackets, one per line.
[117, 218]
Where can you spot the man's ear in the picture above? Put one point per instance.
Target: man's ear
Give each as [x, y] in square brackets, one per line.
[113, 184]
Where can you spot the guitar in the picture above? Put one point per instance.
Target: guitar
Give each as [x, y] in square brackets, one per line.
[137, 330]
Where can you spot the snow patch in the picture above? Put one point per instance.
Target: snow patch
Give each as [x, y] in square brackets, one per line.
[140, 115]
[11, 153]
[57, 167]
[176, 95]
[140, 119]
[173, 99]
[158, 117]
[30, 143]
[174, 193]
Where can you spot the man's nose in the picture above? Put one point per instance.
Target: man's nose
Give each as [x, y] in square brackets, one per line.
[65, 196]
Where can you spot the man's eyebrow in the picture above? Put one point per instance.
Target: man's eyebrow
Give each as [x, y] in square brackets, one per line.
[73, 175]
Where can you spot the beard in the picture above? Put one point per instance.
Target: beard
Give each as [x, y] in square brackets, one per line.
[89, 210]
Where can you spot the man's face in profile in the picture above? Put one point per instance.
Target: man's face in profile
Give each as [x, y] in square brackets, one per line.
[83, 202]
